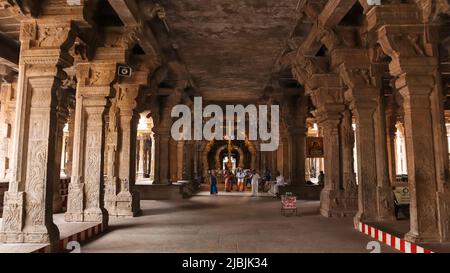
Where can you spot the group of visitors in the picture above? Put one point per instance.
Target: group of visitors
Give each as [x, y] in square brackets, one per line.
[244, 178]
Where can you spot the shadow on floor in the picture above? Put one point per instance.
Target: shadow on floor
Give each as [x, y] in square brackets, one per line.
[194, 206]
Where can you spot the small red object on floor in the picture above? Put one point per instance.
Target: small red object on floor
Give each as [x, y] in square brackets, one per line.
[288, 204]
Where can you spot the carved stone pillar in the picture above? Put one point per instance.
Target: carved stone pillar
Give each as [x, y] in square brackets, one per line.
[188, 160]
[282, 155]
[111, 161]
[61, 120]
[156, 157]
[152, 157]
[337, 198]
[6, 127]
[141, 162]
[71, 125]
[127, 203]
[297, 142]
[415, 65]
[385, 200]
[366, 103]
[391, 120]
[27, 216]
[146, 156]
[333, 190]
[180, 159]
[164, 139]
[366, 152]
[85, 201]
[173, 160]
[348, 172]
[294, 111]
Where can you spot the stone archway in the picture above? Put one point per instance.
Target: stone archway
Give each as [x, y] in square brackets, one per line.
[234, 147]
[206, 151]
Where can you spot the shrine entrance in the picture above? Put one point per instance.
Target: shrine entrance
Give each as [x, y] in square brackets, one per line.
[222, 155]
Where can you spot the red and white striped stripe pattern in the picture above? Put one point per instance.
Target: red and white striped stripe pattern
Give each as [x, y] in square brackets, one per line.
[392, 241]
[78, 237]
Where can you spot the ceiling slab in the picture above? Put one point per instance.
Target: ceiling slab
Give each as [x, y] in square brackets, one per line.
[230, 47]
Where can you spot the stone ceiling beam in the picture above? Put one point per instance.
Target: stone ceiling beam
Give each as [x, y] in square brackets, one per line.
[331, 15]
[127, 10]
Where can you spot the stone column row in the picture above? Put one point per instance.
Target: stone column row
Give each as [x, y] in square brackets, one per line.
[85, 201]
[365, 96]
[339, 196]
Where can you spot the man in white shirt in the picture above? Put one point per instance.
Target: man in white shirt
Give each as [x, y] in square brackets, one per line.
[255, 181]
[280, 182]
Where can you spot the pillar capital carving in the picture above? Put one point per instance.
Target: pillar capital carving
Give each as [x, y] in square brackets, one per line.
[45, 34]
[358, 77]
[329, 96]
[305, 67]
[408, 45]
[95, 81]
[117, 44]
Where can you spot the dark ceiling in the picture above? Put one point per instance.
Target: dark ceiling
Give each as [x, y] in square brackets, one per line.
[229, 46]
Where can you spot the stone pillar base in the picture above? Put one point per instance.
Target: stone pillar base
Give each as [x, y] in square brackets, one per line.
[386, 211]
[75, 202]
[337, 203]
[12, 227]
[443, 199]
[45, 235]
[127, 205]
[95, 215]
[443, 221]
[363, 218]
[416, 238]
[110, 206]
[73, 217]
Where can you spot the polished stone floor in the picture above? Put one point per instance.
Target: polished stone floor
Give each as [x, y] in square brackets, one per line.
[229, 224]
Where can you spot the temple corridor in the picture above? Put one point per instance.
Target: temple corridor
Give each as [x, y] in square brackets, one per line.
[184, 125]
[230, 224]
